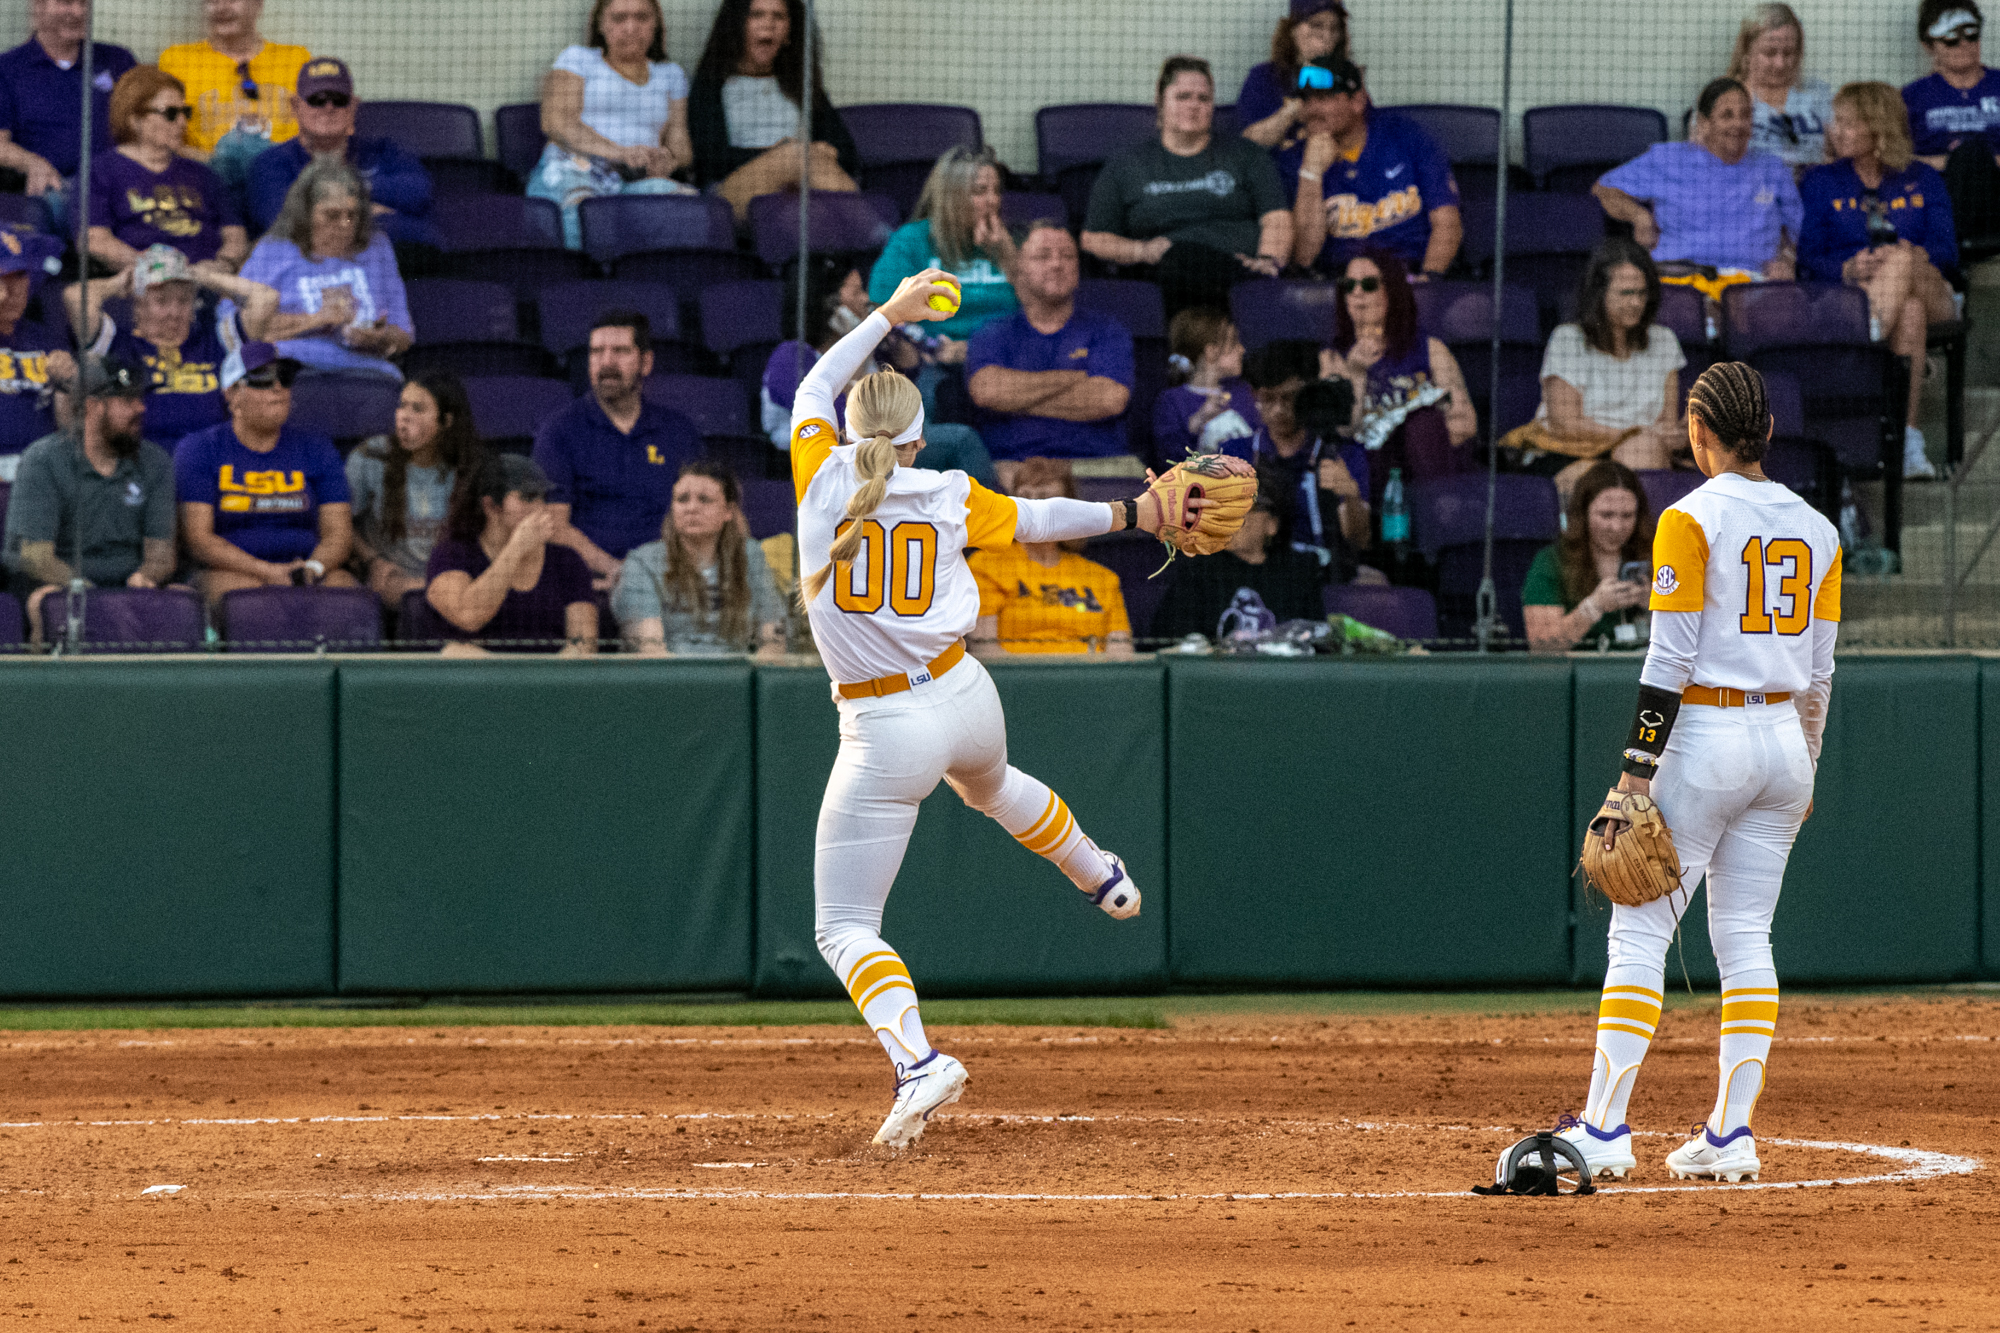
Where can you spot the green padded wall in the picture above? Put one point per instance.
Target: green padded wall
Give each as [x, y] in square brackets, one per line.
[1987, 831]
[974, 913]
[545, 826]
[1369, 822]
[169, 829]
[1883, 881]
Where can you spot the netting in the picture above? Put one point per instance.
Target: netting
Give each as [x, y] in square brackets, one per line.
[1838, 248]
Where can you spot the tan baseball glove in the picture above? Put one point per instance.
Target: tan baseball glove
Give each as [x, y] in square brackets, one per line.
[1642, 864]
[1228, 485]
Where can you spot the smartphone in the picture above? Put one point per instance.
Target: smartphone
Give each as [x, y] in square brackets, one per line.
[1635, 571]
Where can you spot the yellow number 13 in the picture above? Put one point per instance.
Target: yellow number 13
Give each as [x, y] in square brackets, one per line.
[1795, 558]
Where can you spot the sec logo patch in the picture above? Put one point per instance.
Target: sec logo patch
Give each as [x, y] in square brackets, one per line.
[810, 429]
[1665, 583]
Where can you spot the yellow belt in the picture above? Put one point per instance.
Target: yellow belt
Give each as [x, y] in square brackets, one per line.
[882, 685]
[1724, 698]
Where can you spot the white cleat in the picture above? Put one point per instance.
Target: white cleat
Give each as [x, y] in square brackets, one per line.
[1705, 1157]
[1118, 896]
[1609, 1152]
[934, 1081]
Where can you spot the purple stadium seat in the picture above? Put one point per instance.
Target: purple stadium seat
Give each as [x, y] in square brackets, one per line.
[768, 506]
[742, 314]
[1073, 142]
[1136, 305]
[25, 210]
[568, 309]
[477, 358]
[690, 273]
[1548, 243]
[512, 407]
[301, 620]
[462, 310]
[1469, 136]
[1407, 613]
[1788, 405]
[1448, 519]
[517, 134]
[1685, 311]
[630, 224]
[900, 142]
[129, 620]
[1103, 490]
[417, 622]
[1018, 208]
[1133, 557]
[345, 406]
[497, 222]
[837, 224]
[1818, 333]
[715, 406]
[1270, 309]
[1666, 486]
[1463, 312]
[1566, 148]
[1808, 469]
[13, 625]
[425, 129]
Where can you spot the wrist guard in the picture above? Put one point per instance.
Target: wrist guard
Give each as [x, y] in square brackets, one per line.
[1652, 723]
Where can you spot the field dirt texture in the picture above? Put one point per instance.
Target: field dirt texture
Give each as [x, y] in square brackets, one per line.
[1242, 1173]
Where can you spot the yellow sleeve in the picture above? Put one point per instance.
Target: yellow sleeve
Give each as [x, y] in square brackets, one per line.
[812, 444]
[1680, 562]
[1826, 602]
[989, 518]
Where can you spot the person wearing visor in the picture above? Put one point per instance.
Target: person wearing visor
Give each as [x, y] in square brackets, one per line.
[1360, 176]
[95, 502]
[179, 345]
[1268, 105]
[499, 580]
[1959, 101]
[29, 354]
[399, 188]
[262, 504]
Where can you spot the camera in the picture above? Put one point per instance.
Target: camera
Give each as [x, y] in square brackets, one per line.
[1325, 408]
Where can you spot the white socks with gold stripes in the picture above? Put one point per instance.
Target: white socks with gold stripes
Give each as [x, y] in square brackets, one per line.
[1040, 820]
[1749, 1018]
[882, 990]
[1627, 1016]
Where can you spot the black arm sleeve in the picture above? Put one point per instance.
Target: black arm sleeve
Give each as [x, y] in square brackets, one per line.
[1652, 723]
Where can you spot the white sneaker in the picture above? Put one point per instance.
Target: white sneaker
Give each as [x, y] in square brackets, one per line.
[921, 1088]
[1118, 896]
[1916, 463]
[1705, 1156]
[1609, 1152]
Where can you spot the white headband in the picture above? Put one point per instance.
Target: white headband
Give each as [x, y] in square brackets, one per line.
[910, 435]
[1951, 21]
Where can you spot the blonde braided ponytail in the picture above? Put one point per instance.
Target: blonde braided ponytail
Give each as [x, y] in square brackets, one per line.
[882, 405]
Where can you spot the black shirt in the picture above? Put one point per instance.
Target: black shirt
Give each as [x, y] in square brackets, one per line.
[1213, 198]
[1288, 581]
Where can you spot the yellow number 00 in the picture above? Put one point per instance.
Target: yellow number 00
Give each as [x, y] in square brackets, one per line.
[911, 570]
[1796, 558]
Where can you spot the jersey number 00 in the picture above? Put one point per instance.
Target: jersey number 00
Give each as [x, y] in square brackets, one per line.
[910, 569]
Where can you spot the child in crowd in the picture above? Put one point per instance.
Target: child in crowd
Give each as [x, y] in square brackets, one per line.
[1209, 409]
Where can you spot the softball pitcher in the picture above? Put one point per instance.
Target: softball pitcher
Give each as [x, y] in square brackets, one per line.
[1732, 703]
[890, 600]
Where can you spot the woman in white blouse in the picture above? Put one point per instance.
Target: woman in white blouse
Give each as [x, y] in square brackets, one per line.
[1610, 381]
[614, 113]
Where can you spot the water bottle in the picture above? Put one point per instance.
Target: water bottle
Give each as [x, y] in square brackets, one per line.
[1395, 514]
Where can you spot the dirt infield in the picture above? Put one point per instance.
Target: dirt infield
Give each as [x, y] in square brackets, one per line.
[711, 1179]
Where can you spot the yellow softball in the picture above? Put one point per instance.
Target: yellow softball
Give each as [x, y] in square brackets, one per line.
[940, 301]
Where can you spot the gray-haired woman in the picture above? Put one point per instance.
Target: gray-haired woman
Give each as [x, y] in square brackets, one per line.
[341, 304]
[957, 228]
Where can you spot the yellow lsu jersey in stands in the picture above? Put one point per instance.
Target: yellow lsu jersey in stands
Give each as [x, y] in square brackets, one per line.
[216, 90]
[1760, 565]
[1060, 608]
[908, 595]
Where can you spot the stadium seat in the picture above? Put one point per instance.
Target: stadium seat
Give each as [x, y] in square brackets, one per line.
[25, 210]
[1818, 334]
[1267, 310]
[568, 309]
[1448, 520]
[507, 410]
[13, 624]
[768, 506]
[899, 143]
[1133, 557]
[1137, 305]
[300, 620]
[741, 322]
[517, 137]
[345, 406]
[1548, 244]
[461, 310]
[507, 239]
[1073, 142]
[1788, 405]
[1566, 148]
[837, 224]
[424, 129]
[479, 358]
[1018, 208]
[1470, 138]
[418, 625]
[1407, 613]
[715, 405]
[1460, 314]
[1666, 486]
[129, 620]
[628, 224]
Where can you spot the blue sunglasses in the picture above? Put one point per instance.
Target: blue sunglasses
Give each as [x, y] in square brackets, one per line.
[1314, 79]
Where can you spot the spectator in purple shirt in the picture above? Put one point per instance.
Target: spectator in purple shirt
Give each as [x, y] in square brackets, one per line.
[1269, 104]
[499, 579]
[29, 353]
[1955, 115]
[611, 457]
[144, 192]
[399, 189]
[1208, 409]
[41, 99]
[1052, 381]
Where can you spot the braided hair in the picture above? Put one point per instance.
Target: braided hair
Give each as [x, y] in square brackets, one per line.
[1730, 400]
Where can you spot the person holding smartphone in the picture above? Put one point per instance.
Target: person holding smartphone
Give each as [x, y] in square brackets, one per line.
[1590, 587]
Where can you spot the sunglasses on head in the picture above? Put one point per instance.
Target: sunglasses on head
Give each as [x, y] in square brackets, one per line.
[1313, 79]
[1347, 286]
[1959, 37]
[322, 100]
[271, 377]
[248, 86]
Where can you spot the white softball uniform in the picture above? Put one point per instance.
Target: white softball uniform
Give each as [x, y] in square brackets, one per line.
[914, 709]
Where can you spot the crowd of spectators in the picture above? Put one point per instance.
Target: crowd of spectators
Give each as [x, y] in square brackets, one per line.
[244, 235]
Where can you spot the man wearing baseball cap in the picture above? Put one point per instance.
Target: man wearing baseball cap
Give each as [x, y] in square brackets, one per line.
[95, 502]
[261, 503]
[25, 347]
[325, 106]
[1359, 176]
[1268, 105]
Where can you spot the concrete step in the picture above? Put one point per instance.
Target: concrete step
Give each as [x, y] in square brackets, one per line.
[1923, 553]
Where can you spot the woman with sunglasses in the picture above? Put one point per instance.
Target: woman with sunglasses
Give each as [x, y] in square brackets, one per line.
[1789, 113]
[1959, 102]
[144, 192]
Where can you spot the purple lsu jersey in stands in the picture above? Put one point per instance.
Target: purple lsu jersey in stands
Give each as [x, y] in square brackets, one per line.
[1382, 196]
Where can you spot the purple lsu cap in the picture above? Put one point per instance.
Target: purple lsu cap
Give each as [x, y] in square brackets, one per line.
[325, 74]
[250, 357]
[23, 251]
[1305, 9]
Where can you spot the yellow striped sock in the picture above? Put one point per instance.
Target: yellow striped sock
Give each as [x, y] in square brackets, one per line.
[1630, 1009]
[875, 975]
[1751, 1012]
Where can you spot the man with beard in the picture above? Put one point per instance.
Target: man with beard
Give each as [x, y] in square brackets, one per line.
[611, 457]
[95, 502]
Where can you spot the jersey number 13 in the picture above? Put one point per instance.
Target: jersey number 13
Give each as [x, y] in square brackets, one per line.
[1793, 558]
[910, 569]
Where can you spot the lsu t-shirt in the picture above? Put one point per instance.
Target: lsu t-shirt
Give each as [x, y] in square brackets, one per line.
[1941, 115]
[24, 373]
[1070, 607]
[266, 503]
[185, 206]
[220, 96]
[1383, 195]
[187, 380]
[1095, 344]
[1213, 198]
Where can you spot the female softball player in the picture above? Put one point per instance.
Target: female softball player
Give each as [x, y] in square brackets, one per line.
[1732, 703]
[891, 600]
